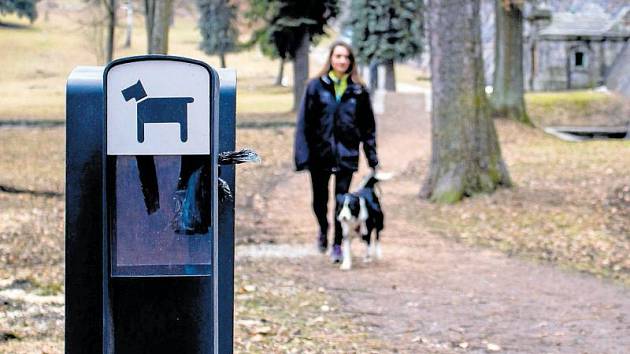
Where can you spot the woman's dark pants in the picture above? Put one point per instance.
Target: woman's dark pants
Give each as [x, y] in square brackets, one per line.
[319, 180]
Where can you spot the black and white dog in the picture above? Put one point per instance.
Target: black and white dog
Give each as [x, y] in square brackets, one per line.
[360, 213]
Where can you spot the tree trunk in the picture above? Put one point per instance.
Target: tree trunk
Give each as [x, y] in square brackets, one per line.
[149, 16]
[390, 76]
[158, 16]
[567, 64]
[280, 73]
[533, 64]
[465, 157]
[300, 70]
[373, 76]
[222, 58]
[602, 64]
[47, 6]
[110, 8]
[507, 96]
[129, 31]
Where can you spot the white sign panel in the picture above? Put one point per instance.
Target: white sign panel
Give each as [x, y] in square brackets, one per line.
[158, 107]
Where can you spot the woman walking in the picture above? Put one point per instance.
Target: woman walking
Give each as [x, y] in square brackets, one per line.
[335, 116]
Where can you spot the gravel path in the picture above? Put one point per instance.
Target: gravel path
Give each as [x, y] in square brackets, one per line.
[431, 295]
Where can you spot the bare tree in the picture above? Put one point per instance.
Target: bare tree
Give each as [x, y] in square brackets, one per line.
[280, 75]
[48, 5]
[110, 9]
[157, 17]
[101, 27]
[465, 157]
[129, 28]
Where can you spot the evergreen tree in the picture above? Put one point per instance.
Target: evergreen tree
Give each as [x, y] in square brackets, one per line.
[263, 11]
[217, 26]
[295, 26]
[268, 48]
[386, 31]
[297, 18]
[291, 26]
[22, 8]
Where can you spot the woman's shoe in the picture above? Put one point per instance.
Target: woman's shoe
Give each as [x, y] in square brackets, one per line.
[322, 242]
[335, 255]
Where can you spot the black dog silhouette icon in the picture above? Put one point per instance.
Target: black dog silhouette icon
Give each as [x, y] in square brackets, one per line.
[158, 110]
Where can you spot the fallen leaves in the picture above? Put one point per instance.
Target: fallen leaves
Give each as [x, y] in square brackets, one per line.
[277, 314]
[570, 205]
[254, 327]
[249, 288]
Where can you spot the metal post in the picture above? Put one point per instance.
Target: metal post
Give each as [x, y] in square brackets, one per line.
[86, 278]
[152, 314]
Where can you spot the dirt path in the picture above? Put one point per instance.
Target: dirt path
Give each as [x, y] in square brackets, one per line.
[429, 294]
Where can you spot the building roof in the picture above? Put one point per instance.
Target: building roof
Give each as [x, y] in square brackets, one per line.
[587, 24]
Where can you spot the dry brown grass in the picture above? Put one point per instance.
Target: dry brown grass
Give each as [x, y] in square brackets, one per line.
[277, 313]
[33, 158]
[33, 76]
[561, 208]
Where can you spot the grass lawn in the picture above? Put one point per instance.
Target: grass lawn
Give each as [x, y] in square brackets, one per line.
[33, 76]
[577, 108]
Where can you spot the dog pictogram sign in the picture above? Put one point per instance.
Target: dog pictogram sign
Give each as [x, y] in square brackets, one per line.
[158, 110]
[158, 107]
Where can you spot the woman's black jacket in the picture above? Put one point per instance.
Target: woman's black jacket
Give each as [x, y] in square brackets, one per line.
[328, 132]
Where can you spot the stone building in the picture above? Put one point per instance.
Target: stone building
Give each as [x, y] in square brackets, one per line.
[572, 50]
[618, 78]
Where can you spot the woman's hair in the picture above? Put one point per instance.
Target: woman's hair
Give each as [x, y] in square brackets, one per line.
[352, 69]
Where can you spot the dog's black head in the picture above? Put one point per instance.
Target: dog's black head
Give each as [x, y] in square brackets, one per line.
[350, 204]
[363, 204]
[135, 91]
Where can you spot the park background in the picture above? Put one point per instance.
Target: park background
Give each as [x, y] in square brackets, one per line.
[568, 209]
